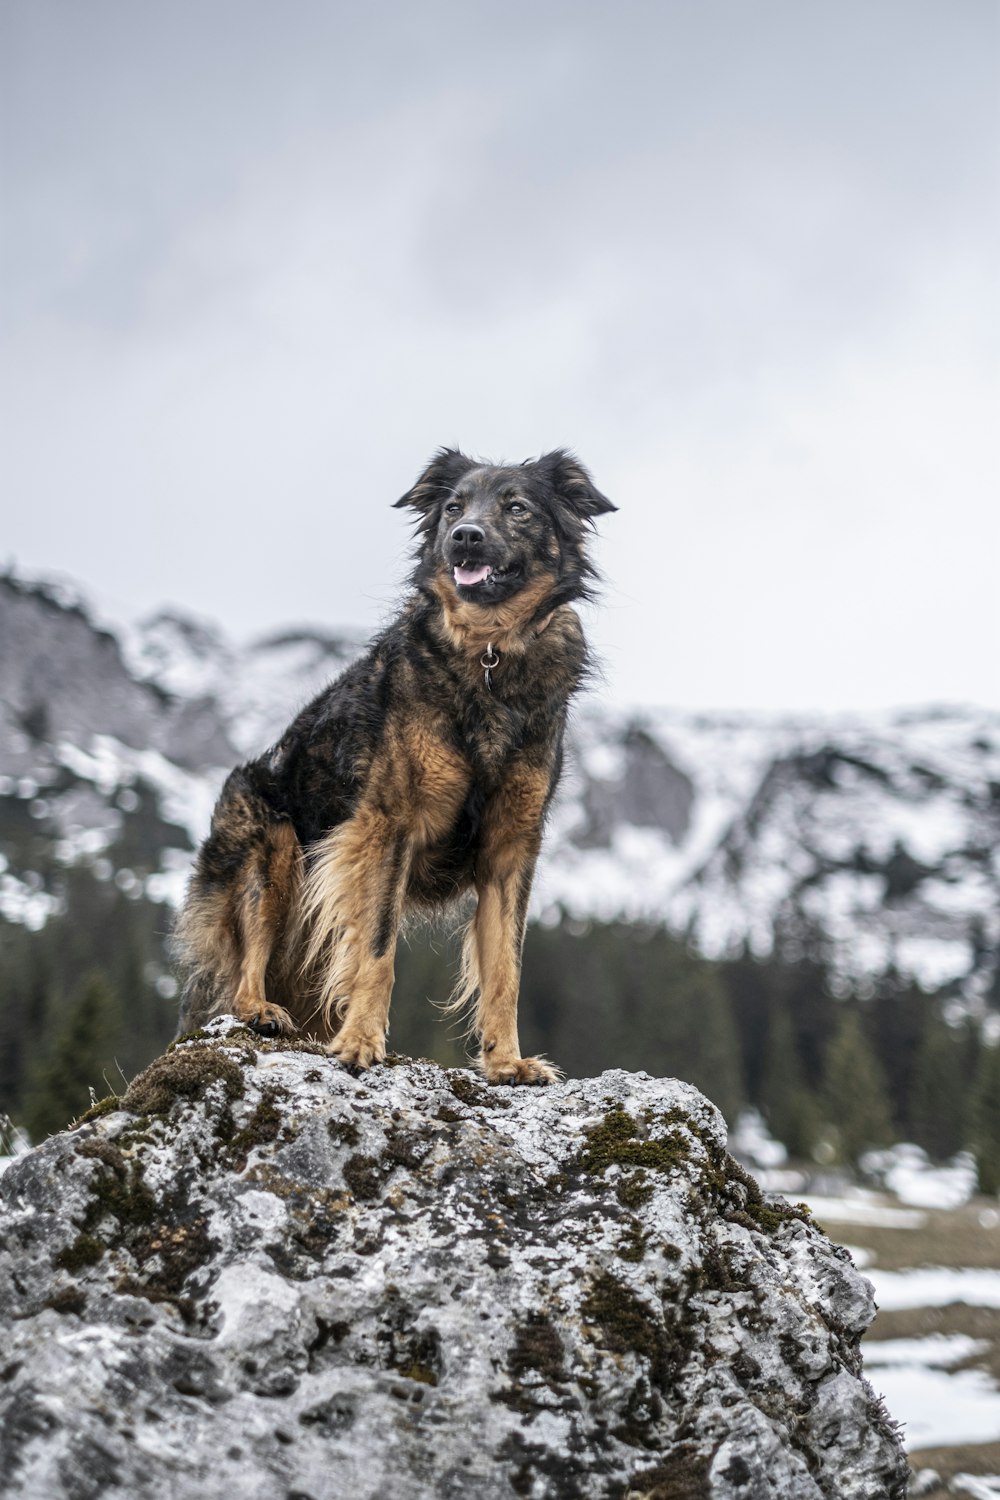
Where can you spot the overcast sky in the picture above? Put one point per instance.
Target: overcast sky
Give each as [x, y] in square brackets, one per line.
[259, 260]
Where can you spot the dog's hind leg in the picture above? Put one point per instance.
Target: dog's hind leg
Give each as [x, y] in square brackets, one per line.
[265, 895]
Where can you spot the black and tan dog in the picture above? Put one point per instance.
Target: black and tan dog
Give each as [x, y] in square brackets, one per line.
[421, 774]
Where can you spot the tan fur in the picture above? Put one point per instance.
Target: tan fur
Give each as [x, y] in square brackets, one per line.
[205, 941]
[234, 936]
[470, 628]
[434, 779]
[490, 972]
[335, 913]
[268, 892]
[350, 880]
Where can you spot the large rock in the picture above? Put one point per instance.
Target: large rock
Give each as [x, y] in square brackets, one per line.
[264, 1277]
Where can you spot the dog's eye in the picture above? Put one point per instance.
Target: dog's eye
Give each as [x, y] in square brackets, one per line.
[515, 508]
[452, 508]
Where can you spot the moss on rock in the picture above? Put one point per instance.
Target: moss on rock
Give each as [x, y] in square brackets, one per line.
[364, 1176]
[262, 1128]
[187, 1073]
[98, 1110]
[540, 1335]
[626, 1324]
[680, 1475]
[537, 1349]
[618, 1141]
[86, 1250]
[476, 1095]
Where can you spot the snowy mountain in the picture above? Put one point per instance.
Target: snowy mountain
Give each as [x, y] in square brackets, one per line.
[880, 834]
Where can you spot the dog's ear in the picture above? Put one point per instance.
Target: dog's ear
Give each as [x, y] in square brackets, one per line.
[440, 477]
[573, 485]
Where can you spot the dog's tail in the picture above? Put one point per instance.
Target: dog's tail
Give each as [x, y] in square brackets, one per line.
[199, 1001]
[202, 944]
[465, 996]
[328, 929]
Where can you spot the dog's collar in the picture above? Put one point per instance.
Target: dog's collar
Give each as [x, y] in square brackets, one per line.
[490, 659]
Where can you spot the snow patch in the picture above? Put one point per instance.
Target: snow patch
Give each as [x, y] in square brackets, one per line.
[935, 1286]
[907, 1172]
[938, 1409]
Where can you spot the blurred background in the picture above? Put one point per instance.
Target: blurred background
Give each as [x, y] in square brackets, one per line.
[258, 262]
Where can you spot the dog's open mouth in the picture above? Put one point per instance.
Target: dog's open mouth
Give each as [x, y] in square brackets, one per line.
[468, 576]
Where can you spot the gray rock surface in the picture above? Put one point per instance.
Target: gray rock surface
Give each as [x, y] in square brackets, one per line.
[649, 791]
[263, 1277]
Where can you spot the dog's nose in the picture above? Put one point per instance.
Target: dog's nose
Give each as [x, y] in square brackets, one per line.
[468, 535]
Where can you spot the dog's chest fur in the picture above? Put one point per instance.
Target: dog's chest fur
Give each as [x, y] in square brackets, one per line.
[516, 710]
[418, 708]
[490, 727]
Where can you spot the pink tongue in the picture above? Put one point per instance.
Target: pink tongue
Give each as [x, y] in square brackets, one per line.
[468, 576]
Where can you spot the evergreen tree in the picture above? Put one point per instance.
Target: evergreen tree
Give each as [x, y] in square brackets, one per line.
[788, 1105]
[80, 1055]
[986, 1120]
[937, 1103]
[799, 988]
[898, 1018]
[751, 987]
[855, 1091]
[101, 931]
[426, 965]
[628, 996]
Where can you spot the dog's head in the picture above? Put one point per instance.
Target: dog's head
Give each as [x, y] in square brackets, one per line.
[488, 531]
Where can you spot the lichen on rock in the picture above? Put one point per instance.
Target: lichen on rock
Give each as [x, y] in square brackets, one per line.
[257, 1274]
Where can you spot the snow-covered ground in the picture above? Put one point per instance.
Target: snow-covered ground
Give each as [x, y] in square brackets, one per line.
[863, 1206]
[979, 1486]
[907, 1173]
[935, 1286]
[939, 1406]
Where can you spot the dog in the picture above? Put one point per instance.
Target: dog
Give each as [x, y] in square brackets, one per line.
[422, 774]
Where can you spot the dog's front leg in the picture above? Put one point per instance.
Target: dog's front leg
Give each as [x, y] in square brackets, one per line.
[511, 840]
[354, 896]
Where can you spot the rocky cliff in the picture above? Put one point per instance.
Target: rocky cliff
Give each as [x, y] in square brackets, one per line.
[62, 677]
[258, 1275]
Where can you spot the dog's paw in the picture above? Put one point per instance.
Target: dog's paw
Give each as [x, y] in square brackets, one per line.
[357, 1049]
[269, 1020]
[520, 1070]
[265, 1028]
